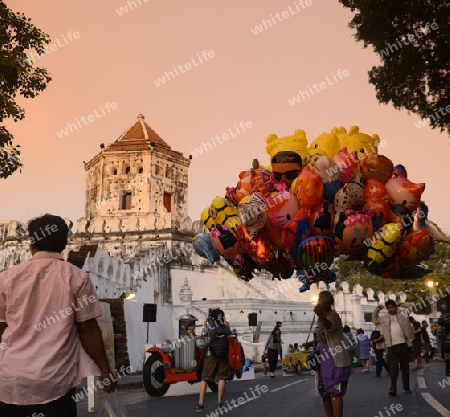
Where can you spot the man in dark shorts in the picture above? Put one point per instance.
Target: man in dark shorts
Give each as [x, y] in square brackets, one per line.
[215, 365]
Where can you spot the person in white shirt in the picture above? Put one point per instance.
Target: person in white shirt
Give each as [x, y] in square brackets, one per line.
[398, 337]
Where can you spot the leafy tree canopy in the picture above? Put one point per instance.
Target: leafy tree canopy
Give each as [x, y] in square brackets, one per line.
[414, 282]
[18, 77]
[412, 38]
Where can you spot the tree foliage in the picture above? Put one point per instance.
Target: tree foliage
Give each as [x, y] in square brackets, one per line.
[414, 282]
[414, 74]
[18, 77]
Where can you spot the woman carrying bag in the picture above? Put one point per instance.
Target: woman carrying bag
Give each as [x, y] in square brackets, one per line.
[273, 350]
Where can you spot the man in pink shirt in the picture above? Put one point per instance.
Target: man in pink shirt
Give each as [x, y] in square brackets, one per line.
[49, 336]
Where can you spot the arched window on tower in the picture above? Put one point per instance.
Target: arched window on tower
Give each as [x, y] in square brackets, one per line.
[169, 173]
[141, 170]
[127, 170]
[114, 171]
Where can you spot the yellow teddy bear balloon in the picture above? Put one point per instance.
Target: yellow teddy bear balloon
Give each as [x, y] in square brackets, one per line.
[326, 144]
[296, 143]
[341, 133]
[362, 143]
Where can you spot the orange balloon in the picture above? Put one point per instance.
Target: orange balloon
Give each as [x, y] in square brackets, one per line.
[377, 167]
[308, 189]
[374, 188]
[415, 247]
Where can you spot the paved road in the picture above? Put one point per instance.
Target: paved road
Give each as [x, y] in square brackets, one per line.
[296, 395]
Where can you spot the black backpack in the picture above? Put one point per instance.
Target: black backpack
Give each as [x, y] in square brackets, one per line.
[218, 342]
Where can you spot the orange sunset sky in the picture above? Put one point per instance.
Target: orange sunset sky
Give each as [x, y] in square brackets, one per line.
[114, 51]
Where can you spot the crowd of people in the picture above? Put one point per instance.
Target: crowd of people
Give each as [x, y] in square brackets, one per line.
[398, 343]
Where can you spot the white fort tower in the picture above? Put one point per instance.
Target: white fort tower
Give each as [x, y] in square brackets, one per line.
[135, 176]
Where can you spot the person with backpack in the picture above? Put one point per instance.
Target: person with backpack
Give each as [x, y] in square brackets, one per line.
[273, 349]
[216, 363]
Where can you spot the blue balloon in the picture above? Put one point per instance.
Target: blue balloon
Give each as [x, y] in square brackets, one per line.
[203, 247]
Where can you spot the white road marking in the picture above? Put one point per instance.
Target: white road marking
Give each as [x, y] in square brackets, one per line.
[421, 382]
[288, 385]
[436, 404]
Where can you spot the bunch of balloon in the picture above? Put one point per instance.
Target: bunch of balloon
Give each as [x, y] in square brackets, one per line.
[312, 203]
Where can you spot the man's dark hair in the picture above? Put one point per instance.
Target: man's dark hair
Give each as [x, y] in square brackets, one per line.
[218, 317]
[48, 233]
[390, 303]
[287, 156]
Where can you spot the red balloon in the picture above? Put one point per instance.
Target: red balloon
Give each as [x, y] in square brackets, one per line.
[381, 209]
[259, 249]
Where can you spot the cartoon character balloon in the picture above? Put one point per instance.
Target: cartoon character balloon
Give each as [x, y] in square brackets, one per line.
[286, 166]
[308, 189]
[221, 211]
[346, 164]
[403, 192]
[377, 167]
[353, 231]
[226, 242]
[253, 214]
[384, 243]
[328, 171]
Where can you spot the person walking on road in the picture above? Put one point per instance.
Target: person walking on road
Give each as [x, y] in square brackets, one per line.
[278, 326]
[363, 346]
[48, 311]
[417, 344]
[379, 347]
[426, 342]
[216, 363]
[398, 336]
[273, 350]
[335, 360]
